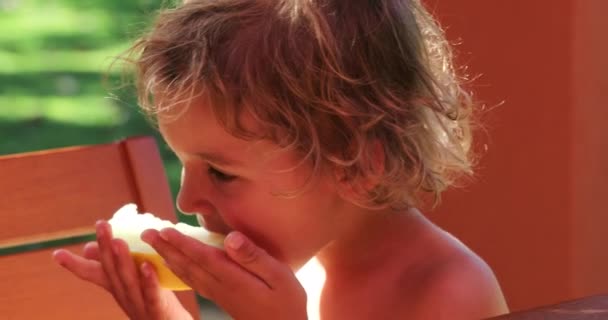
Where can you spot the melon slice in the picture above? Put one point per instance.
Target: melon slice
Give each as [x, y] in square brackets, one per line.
[128, 224]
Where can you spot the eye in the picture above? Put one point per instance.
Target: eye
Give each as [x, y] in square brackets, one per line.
[219, 175]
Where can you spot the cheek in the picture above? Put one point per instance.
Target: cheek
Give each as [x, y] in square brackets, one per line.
[271, 223]
[253, 215]
[289, 229]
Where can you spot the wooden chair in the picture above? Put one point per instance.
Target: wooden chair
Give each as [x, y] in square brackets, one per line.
[49, 196]
[588, 308]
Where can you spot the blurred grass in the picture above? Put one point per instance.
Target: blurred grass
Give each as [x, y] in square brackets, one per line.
[54, 56]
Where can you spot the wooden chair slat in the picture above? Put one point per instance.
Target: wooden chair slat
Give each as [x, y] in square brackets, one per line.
[60, 193]
[587, 308]
[48, 192]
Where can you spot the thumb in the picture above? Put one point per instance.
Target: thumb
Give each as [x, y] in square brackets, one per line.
[255, 259]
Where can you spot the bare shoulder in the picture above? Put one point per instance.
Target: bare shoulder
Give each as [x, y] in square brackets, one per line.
[417, 272]
[460, 285]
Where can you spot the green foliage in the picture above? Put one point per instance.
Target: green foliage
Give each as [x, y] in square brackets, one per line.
[55, 58]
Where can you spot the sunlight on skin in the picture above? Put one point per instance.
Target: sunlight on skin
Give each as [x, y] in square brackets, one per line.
[312, 277]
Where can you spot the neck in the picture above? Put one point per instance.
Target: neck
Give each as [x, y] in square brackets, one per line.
[370, 236]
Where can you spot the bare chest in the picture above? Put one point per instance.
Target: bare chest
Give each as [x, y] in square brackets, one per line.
[373, 297]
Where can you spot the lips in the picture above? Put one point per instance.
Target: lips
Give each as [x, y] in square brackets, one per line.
[212, 224]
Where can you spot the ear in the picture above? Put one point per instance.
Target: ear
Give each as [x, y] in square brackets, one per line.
[372, 163]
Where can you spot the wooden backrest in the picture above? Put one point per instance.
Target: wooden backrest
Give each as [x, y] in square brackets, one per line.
[57, 194]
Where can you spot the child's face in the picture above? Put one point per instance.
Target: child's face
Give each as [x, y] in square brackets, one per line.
[232, 184]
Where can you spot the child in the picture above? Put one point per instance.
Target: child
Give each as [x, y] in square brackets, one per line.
[308, 131]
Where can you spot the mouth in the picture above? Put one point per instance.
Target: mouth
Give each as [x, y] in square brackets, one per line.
[212, 225]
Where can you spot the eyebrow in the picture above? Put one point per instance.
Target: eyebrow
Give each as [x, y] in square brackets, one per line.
[218, 158]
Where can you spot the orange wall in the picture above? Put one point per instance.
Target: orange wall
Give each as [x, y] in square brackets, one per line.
[534, 211]
[590, 147]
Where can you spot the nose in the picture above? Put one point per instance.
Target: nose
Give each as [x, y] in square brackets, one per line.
[193, 193]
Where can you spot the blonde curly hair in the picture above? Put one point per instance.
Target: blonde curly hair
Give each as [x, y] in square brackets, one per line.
[334, 80]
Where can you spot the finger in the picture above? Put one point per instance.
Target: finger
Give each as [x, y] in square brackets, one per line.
[106, 254]
[91, 251]
[159, 300]
[255, 259]
[215, 262]
[151, 289]
[196, 276]
[129, 276]
[193, 248]
[85, 269]
[202, 256]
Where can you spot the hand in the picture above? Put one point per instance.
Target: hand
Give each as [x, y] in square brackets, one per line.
[108, 264]
[244, 280]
